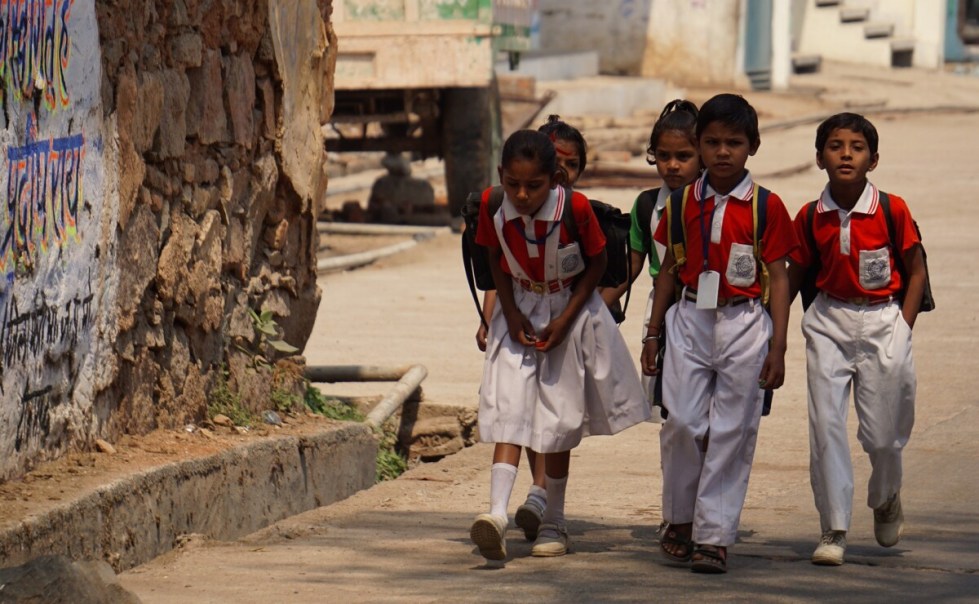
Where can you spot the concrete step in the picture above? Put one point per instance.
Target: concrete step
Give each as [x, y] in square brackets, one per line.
[854, 15]
[827, 3]
[806, 63]
[878, 30]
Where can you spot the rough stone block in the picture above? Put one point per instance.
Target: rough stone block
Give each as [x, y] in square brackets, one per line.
[239, 87]
[171, 139]
[206, 117]
[186, 50]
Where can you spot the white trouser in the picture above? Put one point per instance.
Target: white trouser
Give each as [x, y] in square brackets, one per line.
[710, 378]
[868, 347]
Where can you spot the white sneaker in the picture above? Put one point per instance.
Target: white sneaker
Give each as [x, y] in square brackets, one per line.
[529, 516]
[488, 532]
[552, 540]
[889, 521]
[830, 550]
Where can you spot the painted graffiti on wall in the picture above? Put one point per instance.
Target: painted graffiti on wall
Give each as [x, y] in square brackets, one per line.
[35, 48]
[43, 192]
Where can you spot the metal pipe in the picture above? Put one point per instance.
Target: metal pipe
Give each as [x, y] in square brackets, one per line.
[351, 228]
[354, 373]
[339, 263]
[409, 380]
[391, 402]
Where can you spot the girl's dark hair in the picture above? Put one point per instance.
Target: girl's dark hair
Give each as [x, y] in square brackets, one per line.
[530, 145]
[849, 121]
[556, 129]
[733, 111]
[679, 115]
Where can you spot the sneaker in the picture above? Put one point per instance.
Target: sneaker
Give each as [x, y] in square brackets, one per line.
[552, 540]
[889, 521]
[488, 532]
[830, 550]
[529, 517]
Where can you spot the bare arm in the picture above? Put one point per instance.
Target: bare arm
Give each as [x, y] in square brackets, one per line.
[663, 298]
[914, 260]
[489, 301]
[773, 370]
[519, 326]
[797, 275]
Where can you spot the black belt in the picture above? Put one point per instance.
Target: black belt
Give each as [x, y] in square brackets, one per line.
[691, 295]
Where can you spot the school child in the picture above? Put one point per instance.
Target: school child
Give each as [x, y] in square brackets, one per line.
[858, 332]
[556, 367]
[672, 149]
[722, 345]
[572, 158]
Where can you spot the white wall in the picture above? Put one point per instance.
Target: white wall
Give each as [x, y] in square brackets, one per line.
[616, 29]
[58, 211]
[695, 42]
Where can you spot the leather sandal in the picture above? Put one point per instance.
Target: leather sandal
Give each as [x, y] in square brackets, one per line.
[709, 559]
[682, 546]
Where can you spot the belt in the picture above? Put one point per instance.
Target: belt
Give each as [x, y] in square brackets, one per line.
[691, 295]
[541, 287]
[861, 300]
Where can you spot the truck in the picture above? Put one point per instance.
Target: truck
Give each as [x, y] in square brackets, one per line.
[417, 76]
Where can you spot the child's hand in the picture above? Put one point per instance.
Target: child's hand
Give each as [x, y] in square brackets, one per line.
[773, 371]
[552, 335]
[647, 360]
[520, 329]
[481, 337]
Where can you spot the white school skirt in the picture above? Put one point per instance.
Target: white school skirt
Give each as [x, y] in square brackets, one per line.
[549, 401]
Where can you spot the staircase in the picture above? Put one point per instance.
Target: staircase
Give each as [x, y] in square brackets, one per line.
[869, 32]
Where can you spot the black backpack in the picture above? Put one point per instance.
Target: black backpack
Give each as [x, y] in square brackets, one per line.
[808, 290]
[614, 223]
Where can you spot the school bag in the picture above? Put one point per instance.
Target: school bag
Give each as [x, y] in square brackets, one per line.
[614, 224]
[676, 241]
[808, 289]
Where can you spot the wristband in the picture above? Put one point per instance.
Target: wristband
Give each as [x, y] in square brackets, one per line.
[656, 337]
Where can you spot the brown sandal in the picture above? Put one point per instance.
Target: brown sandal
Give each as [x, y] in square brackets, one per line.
[681, 545]
[709, 559]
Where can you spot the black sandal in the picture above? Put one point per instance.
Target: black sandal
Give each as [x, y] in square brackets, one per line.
[709, 559]
[682, 545]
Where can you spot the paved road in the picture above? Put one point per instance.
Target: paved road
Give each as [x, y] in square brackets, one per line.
[407, 540]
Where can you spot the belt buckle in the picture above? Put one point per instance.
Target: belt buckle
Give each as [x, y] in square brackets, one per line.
[860, 301]
[537, 287]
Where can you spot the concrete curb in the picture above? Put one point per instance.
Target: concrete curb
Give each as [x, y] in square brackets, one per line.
[224, 496]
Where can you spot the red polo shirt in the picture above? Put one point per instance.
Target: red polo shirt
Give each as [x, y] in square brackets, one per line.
[732, 223]
[531, 255]
[841, 235]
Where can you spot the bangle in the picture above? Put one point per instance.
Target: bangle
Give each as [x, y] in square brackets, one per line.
[656, 337]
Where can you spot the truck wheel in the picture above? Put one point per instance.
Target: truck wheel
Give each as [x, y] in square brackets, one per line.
[467, 142]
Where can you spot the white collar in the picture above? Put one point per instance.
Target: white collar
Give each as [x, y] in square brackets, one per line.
[867, 204]
[741, 191]
[550, 211]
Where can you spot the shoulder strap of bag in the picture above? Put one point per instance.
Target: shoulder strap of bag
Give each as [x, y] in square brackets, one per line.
[493, 205]
[677, 229]
[759, 215]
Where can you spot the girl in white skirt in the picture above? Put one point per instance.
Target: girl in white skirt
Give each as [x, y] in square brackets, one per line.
[556, 367]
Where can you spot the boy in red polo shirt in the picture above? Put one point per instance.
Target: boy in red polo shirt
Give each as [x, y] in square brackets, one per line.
[722, 345]
[858, 332]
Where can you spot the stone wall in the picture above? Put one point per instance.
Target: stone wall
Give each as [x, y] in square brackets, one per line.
[164, 163]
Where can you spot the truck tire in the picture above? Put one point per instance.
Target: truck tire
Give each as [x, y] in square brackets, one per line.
[468, 123]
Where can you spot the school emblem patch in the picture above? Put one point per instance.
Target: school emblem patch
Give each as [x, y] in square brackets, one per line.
[570, 264]
[744, 267]
[877, 270]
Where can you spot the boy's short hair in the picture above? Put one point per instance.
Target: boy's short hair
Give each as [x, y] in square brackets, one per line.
[853, 122]
[732, 110]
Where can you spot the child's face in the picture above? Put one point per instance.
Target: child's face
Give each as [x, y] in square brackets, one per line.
[677, 160]
[846, 157]
[526, 184]
[568, 160]
[725, 151]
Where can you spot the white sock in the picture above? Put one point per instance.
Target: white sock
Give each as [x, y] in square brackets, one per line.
[556, 487]
[502, 477]
[538, 495]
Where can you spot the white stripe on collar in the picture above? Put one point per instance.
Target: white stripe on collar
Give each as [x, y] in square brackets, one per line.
[742, 191]
[867, 204]
[551, 211]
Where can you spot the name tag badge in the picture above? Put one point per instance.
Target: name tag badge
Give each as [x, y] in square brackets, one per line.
[708, 285]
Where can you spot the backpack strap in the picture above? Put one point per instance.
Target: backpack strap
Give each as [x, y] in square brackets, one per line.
[645, 207]
[759, 215]
[676, 233]
[567, 218]
[493, 206]
[885, 206]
